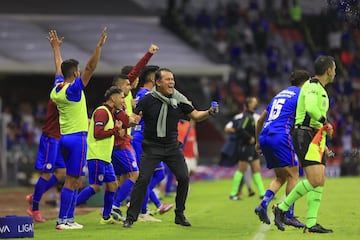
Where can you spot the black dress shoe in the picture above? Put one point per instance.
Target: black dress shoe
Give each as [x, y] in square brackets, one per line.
[128, 223]
[181, 219]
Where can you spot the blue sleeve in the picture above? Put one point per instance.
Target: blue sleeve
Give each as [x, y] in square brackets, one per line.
[139, 107]
[73, 92]
[58, 79]
[141, 93]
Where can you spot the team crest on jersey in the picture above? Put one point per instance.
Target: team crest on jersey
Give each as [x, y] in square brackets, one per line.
[101, 177]
[48, 166]
[134, 164]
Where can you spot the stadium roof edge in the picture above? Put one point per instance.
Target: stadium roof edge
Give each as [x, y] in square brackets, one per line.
[25, 50]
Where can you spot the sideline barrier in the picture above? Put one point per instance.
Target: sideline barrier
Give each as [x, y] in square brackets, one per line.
[16, 227]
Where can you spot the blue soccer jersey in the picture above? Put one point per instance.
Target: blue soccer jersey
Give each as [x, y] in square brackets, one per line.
[281, 111]
[139, 128]
[275, 139]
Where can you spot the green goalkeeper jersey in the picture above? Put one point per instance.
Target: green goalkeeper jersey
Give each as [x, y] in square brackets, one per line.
[312, 105]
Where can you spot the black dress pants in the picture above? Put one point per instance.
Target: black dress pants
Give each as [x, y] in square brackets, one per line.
[153, 154]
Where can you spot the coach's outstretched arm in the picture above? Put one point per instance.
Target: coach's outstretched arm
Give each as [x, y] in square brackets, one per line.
[199, 116]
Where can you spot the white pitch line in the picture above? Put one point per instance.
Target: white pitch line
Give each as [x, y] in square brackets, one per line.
[263, 228]
[261, 232]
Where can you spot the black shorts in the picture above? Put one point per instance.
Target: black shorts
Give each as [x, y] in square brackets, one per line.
[301, 140]
[247, 153]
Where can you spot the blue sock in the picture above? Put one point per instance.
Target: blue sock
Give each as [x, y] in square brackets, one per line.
[158, 176]
[290, 212]
[145, 202]
[38, 192]
[51, 182]
[108, 201]
[117, 192]
[71, 213]
[123, 192]
[84, 195]
[269, 195]
[154, 198]
[155, 180]
[169, 182]
[66, 198]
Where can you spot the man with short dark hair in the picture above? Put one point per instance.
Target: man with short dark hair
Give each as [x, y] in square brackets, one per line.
[123, 156]
[243, 126]
[102, 131]
[161, 111]
[273, 140]
[73, 118]
[49, 161]
[309, 136]
[147, 83]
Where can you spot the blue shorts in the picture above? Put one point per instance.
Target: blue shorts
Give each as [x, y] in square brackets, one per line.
[73, 149]
[48, 156]
[124, 161]
[100, 172]
[278, 150]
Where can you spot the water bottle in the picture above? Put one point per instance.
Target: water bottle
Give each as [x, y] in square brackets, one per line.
[213, 105]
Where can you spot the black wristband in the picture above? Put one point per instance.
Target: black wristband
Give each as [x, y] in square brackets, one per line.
[322, 119]
[211, 112]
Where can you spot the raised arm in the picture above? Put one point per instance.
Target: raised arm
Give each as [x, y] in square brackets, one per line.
[94, 59]
[135, 71]
[55, 43]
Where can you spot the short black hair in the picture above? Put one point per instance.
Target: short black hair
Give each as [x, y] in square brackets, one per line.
[126, 69]
[68, 67]
[112, 90]
[118, 77]
[323, 63]
[248, 100]
[298, 77]
[158, 73]
[143, 78]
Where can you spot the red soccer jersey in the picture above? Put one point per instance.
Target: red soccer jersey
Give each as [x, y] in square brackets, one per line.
[135, 71]
[52, 126]
[188, 133]
[101, 118]
[124, 141]
[190, 148]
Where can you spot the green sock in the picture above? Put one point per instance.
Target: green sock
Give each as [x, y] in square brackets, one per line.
[259, 183]
[313, 204]
[298, 191]
[236, 182]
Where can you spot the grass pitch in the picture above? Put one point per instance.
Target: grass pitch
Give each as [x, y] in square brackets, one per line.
[214, 216]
